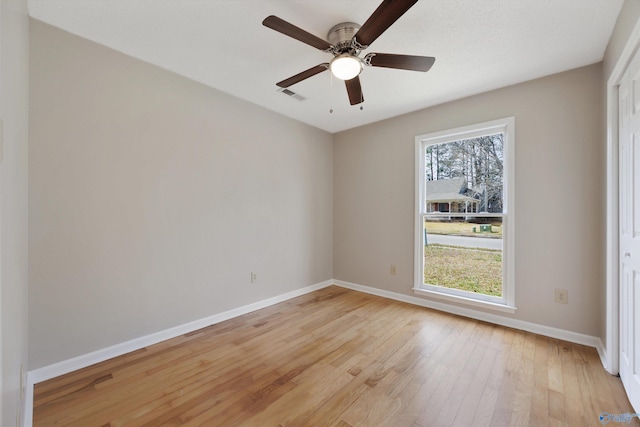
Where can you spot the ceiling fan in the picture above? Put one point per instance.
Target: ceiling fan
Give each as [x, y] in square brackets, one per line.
[346, 40]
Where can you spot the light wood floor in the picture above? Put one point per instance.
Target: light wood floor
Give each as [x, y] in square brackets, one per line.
[337, 357]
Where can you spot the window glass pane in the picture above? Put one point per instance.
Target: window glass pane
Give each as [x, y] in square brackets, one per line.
[464, 253]
[465, 175]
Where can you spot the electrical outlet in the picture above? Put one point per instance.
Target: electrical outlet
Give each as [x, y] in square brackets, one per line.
[254, 277]
[562, 296]
[393, 270]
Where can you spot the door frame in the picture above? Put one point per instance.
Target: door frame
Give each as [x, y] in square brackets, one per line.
[611, 352]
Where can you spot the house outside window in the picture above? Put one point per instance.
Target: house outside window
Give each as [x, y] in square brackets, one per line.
[449, 195]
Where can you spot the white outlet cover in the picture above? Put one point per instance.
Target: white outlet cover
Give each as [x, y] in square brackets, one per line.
[562, 296]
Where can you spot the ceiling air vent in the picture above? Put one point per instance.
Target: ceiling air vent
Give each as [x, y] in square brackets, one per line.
[292, 94]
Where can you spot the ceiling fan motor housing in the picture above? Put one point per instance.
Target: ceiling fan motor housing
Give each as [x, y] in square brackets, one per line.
[341, 37]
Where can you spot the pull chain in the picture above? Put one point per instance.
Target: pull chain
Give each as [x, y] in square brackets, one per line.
[330, 93]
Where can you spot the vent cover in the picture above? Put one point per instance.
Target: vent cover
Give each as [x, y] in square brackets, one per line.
[291, 94]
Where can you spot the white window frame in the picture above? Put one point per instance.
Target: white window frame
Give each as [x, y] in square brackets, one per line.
[506, 303]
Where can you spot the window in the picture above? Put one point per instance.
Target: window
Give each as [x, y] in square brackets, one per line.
[464, 215]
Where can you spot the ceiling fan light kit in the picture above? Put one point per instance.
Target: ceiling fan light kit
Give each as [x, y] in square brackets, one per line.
[346, 40]
[346, 66]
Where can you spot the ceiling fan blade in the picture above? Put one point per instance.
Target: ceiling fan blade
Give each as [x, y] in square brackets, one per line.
[384, 16]
[403, 62]
[297, 33]
[303, 75]
[354, 90]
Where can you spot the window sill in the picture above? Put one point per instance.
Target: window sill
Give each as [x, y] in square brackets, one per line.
[466, 301]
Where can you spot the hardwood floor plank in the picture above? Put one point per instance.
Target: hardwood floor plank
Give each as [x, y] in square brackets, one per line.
[460, 351]
[521, 414]
[557, 406]
[461, 400]
[338, 357]
[308, 395]
[507, 389]
[472, 398]
[372, 408]
[540, 410]
[575, 406]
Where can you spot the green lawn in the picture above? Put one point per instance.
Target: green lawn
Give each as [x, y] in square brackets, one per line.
[462, 229]
[473, 270]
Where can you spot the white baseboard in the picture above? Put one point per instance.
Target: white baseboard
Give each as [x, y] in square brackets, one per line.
[64, 367]
[480, 315]
[604, 359]
[27, 414]
[79, 362]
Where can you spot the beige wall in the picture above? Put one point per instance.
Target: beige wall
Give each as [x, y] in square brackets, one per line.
[558, 171]
[153, 198]
[627, 20]
[14, 60]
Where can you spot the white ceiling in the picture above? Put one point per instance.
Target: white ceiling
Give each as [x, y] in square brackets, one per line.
[479, 45]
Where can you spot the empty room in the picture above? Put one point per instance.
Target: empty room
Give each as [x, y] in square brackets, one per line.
[320, 213]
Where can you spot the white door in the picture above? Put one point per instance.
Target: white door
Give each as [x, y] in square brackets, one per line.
[629, 134]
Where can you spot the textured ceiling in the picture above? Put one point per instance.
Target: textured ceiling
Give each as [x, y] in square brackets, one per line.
[479, 45]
